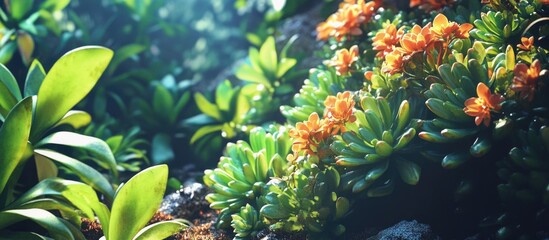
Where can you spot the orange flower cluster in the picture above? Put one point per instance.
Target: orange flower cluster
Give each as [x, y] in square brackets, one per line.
[430, 5]
[347, 20]
[344, 59]
[418, 39]
[339, 110]
[524, 82]
[481, 107]
[310, 136]
[385, 41]
[526, 43]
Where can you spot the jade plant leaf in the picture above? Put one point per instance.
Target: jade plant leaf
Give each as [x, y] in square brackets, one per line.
[69, 80]
[14, 134]
[76, 119]
[132, 207]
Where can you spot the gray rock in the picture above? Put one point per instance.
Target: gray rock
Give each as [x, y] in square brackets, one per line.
[406, 230]
[187, 202]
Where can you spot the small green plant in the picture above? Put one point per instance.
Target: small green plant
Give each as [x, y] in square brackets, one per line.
[241, 176]
[132, 208]
[24, 22]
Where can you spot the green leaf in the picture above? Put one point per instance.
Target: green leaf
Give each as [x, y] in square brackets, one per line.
[181, 103]
[161, 148]
[408, 171]
[8, 80]
[268, 57]
[86, 173]
[133, 208]
[162, 102]
[246, 73]
[19, 8]
[76, 119]
[54, 5]
[78, 194]
[203, 131]
[96, 146]
[223, 94]
[207, 107]
[285, 65]
[55, 227]
[23, 235]
[70, 79]
[274, 212]
[6, 52]
[34, 79]
[123, 54]
[25, 43]
[161, 230]
[14, 134]
[45, 168]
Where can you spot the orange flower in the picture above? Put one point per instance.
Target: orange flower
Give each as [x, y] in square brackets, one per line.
[446, 30]
[524, 82]
[480, 107]
[308, 135]
[393, 62]
[368, 75]
[339, 110]
[386, 40]
[347, 20]
[418, 39]
[429, 5]
[344, 59]
[526, 43]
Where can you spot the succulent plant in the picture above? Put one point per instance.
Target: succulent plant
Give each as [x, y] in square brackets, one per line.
[306, 201]
[525, 188]
[311, 96]
[241, 175]
[458, 136]
[246, 223]
[495, 28]
[380, 139]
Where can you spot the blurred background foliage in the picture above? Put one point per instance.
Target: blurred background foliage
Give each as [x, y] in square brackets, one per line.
[149, 105]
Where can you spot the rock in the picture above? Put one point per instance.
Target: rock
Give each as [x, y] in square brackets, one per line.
[187, 202]
[406, 230]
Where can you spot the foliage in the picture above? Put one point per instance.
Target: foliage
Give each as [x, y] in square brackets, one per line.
[479, 70]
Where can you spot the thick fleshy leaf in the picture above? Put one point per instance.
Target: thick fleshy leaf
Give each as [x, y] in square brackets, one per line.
[69, 80]
[274, 212]
[34, 79]
[55, 227]
[86, 173]
[6, 52]
[409, 171]
[14, 134]
[248, 73]
[25, 43]
[78, 194]
[76, 119]
[207, 107]
[268, 58]
[8, 80]
[132, 207]
[45, 168]
[96, 146]
[19, 8]
[203, 131]
[161, 230]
